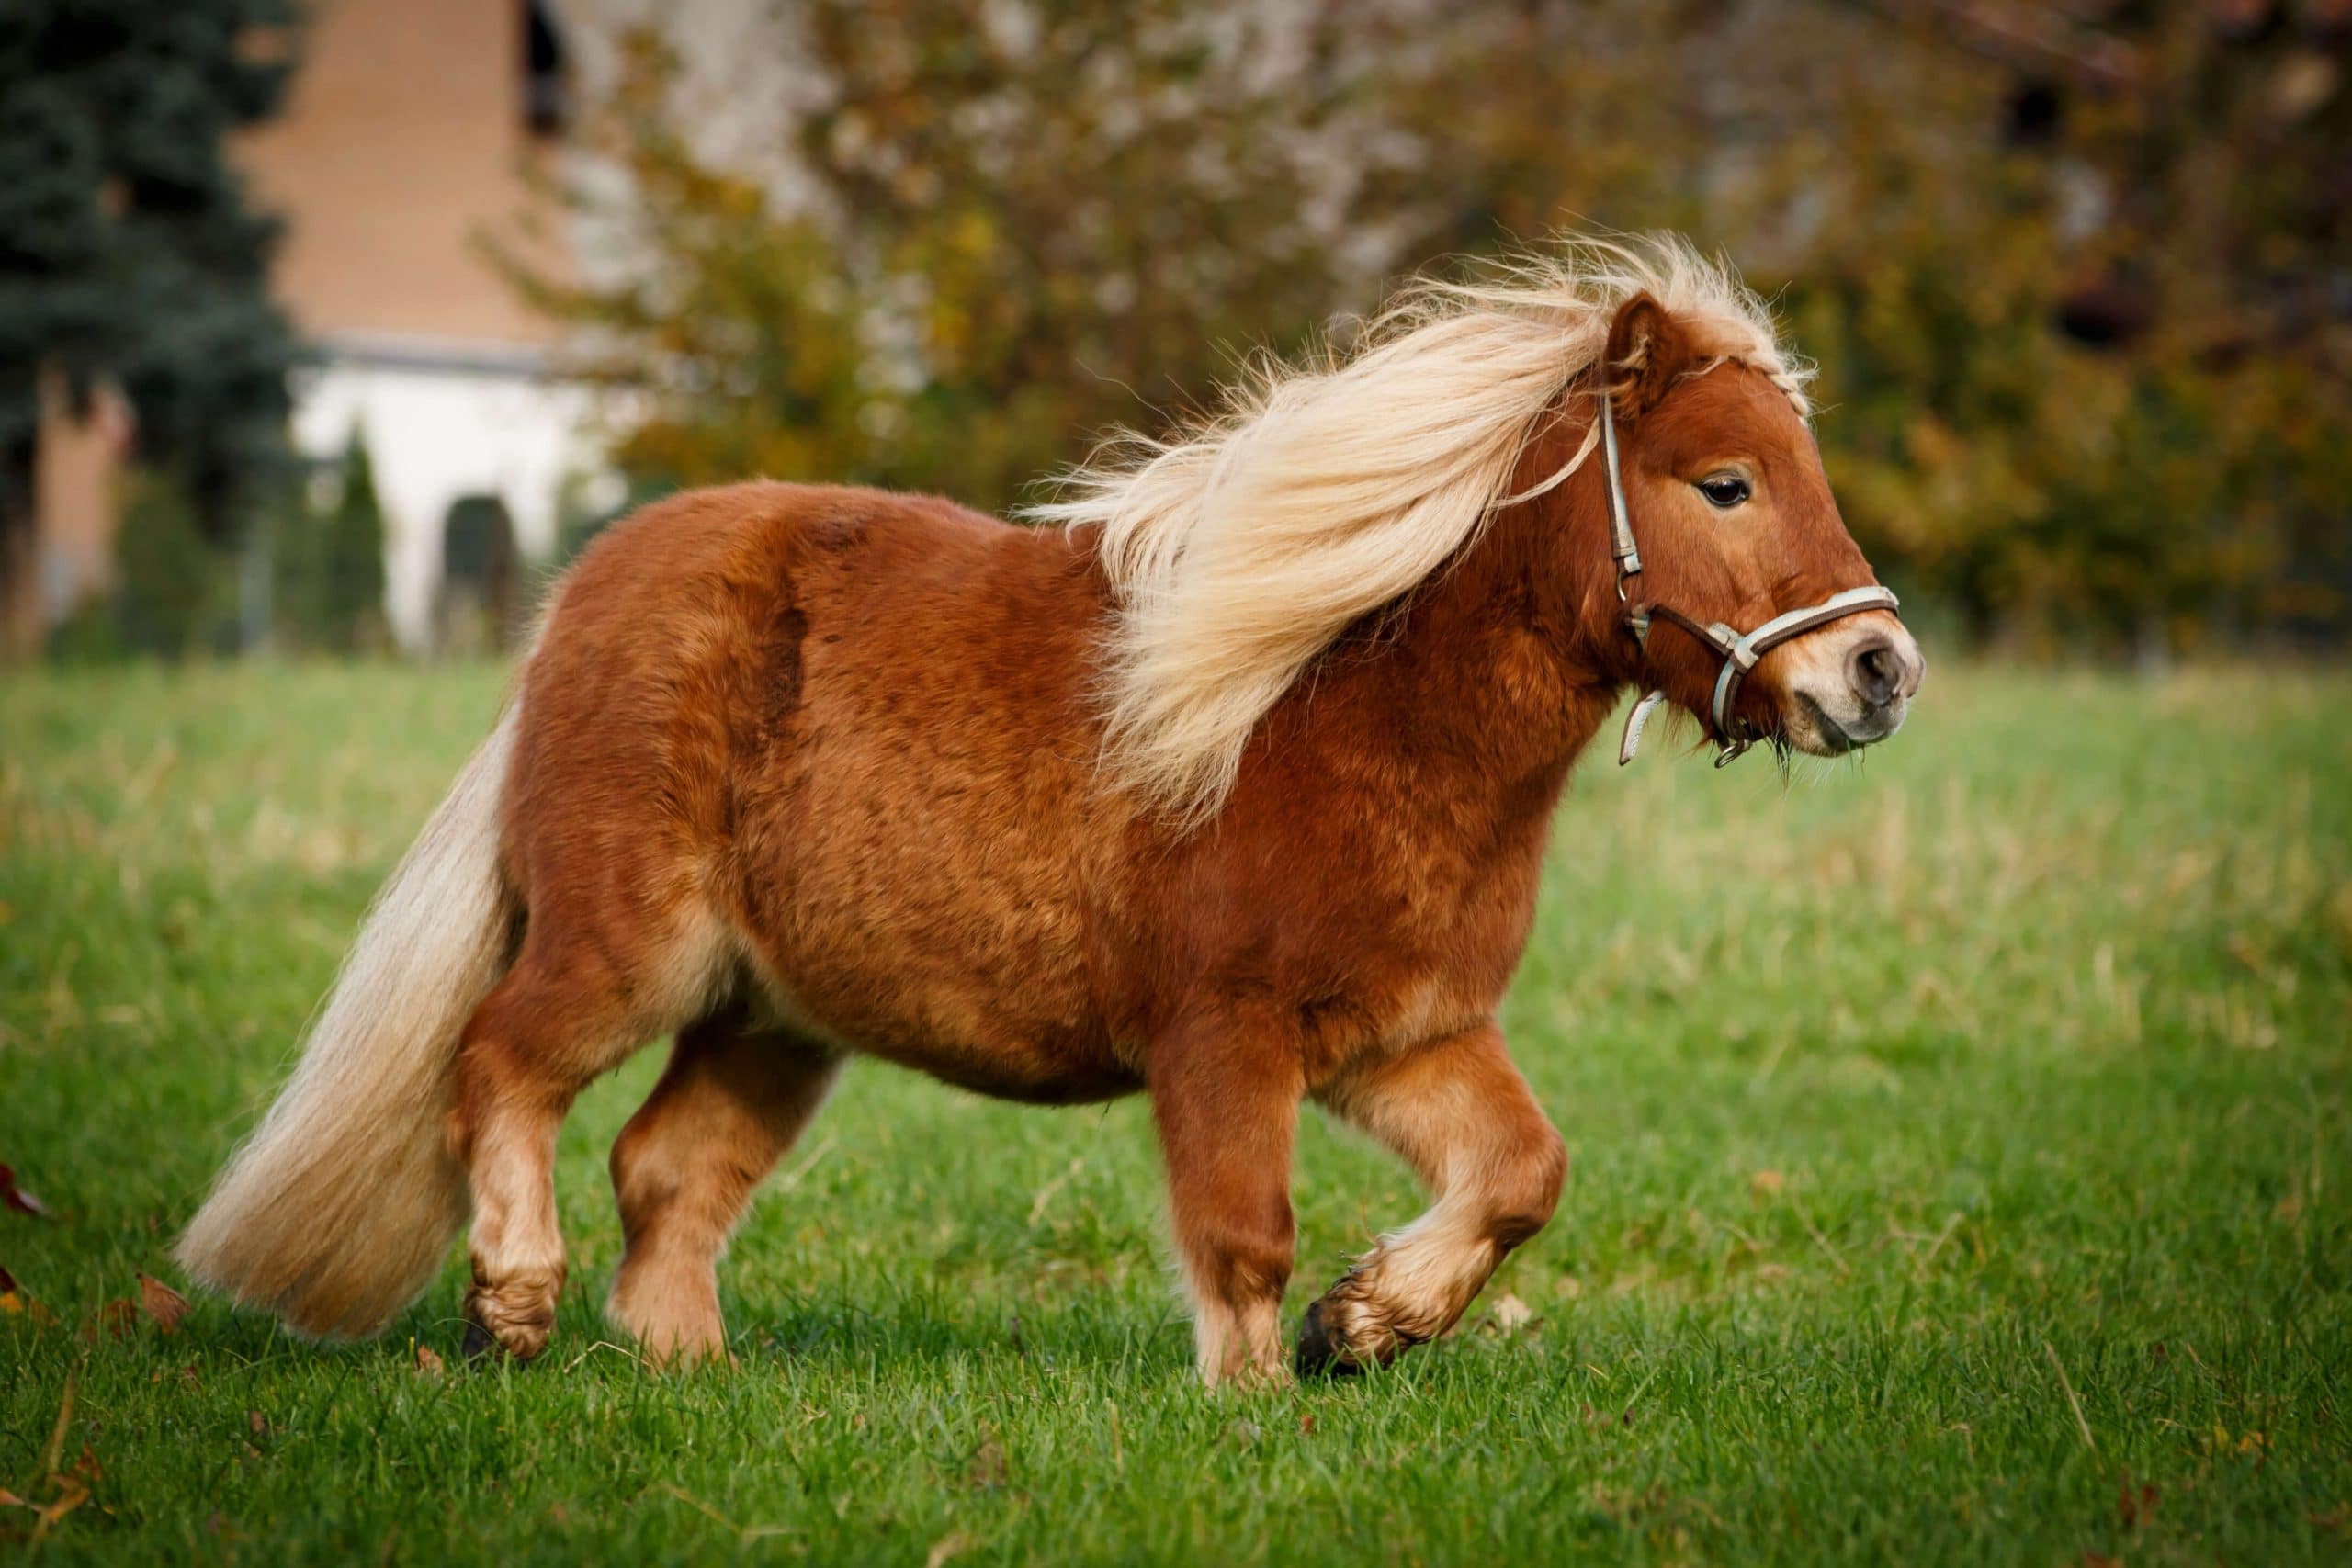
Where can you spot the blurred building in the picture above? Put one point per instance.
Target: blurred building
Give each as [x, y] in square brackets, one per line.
[412, 130]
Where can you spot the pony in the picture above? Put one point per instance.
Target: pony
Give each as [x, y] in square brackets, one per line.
[1225, 777]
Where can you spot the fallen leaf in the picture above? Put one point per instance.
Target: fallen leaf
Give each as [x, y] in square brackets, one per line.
[2136, 1506]
[1306, 1424]
[116, 1318]
[258, 1423]
[952, 1544]
[87, 1467]
[72, 1495]
[16, 1198]
[162, 1303]
[1765, 1183]
[1510, 1313]
[428, 1362]
[13, 1300]
[987, 1465]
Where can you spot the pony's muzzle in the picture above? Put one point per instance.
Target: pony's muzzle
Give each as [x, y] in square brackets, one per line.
[1847, 686]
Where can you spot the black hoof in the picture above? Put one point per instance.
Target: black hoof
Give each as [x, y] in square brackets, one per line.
[479, 1346]
[1320, 1355]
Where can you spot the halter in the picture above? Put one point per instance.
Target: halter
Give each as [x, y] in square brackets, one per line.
[1740, 650]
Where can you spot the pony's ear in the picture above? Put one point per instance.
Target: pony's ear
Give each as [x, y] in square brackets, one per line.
[1647, 350]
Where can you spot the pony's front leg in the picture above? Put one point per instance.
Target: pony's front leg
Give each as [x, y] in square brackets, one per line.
[1459, 1112]
[1226, 1098]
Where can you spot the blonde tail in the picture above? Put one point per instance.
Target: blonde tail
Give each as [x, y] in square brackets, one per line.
[340, 1207]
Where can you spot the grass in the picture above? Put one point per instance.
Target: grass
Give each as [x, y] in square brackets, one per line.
[1961, 1158]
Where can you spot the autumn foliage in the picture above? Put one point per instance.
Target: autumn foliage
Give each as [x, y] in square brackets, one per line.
[2084, 346]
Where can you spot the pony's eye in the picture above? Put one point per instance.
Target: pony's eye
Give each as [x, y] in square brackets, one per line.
[1725, 491]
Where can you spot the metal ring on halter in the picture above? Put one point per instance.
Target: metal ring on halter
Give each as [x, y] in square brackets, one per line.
[1740, 650]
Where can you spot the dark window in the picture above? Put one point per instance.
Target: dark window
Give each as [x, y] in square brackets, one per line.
[546, 74]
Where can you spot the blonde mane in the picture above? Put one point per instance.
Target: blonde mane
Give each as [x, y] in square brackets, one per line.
[1241, 547]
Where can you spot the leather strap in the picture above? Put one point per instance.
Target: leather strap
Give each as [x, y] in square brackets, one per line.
[1621, 528]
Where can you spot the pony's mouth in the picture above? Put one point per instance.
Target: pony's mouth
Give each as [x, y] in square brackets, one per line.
[1830, 738]
[1819, 733]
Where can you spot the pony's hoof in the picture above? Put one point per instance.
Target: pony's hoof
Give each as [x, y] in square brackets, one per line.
[1320, 1352]
[496, 1330]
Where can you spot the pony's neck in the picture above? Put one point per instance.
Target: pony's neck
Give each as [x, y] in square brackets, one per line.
[1514, 652]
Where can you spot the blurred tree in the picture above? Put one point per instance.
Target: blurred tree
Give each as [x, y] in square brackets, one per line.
[175, 596]
[330, 565]
[126, 250]
[2077, 290]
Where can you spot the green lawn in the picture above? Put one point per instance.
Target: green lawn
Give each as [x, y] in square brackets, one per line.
[1963, 1144]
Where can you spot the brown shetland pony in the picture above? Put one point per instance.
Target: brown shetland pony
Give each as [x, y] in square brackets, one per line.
[1229, 782]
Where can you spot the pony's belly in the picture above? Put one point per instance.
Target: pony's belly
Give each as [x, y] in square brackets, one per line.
[998, 1040]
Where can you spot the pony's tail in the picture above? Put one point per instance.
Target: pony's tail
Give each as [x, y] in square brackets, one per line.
[339, 1209]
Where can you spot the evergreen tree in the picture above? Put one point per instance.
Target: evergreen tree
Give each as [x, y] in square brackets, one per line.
[128, 251]
[330, 565]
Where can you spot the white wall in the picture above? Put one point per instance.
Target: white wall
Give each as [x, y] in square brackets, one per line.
[443, 422]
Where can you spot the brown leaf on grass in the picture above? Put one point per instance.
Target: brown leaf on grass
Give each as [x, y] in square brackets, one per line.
[257, 1423]
[988, 1469]
[116, 1318]
[2136, 1505]
[1766, 1184]
[162, 1303]
[428, 1362]
[13, 1301]
[1513, 1314]
[70, 1496]
[954, 1543]
[15, 1197]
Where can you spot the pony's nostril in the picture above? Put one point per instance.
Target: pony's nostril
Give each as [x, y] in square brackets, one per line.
[1875, 670]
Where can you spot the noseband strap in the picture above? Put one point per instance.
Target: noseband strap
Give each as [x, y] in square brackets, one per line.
[1740, 651]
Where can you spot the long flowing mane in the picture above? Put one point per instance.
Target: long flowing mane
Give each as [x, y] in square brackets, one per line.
[1242, 546]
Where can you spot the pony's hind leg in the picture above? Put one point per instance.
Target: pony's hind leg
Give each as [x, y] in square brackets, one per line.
[567, 1012]
[1459, 1112]
[731, 1102]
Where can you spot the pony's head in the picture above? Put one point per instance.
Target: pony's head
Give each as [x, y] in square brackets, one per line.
[1723, 489]
[1241, 548]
